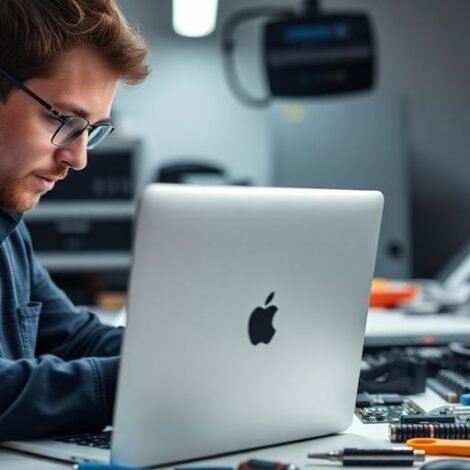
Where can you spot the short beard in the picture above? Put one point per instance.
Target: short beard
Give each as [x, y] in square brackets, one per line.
[11, 197]
[14, 194]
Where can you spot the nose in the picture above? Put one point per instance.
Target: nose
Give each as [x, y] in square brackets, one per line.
[74, 154]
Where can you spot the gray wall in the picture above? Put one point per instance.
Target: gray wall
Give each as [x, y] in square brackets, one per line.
[186, 109]
[424, 47]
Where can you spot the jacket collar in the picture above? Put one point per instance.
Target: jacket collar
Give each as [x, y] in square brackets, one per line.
[9, 220]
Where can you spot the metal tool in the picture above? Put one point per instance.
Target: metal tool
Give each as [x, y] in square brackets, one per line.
[395, 456]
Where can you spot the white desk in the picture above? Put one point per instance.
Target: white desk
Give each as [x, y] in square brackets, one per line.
[358, 435]
[394, 323]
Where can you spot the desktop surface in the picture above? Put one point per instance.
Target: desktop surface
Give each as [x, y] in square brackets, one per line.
[380, 323]
[389, 328]
[357, 435]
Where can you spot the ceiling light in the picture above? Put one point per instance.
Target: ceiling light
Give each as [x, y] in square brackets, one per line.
[194, 18]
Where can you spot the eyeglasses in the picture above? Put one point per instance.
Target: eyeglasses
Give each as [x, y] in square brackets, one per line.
[71, 127]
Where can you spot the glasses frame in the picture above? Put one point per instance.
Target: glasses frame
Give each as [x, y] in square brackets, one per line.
[61, 118]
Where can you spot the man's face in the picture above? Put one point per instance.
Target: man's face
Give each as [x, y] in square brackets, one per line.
[81, 84]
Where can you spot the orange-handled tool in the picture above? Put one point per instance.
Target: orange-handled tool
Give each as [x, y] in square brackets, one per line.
[441, 446]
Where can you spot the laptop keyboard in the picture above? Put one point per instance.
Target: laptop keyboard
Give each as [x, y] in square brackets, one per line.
[100, 440]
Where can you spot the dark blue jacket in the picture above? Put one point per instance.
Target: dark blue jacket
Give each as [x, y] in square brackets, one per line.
[58, 363]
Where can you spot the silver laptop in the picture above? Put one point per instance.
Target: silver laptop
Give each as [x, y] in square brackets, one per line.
[246, 317]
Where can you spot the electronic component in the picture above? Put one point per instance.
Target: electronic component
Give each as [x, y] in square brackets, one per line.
[461, 354]
[454, 380]
[458, 412]
[450, 385]
[420, 419]
[446, 422]
[385, 408]
[434, 357]
[465, 399]
[442, 390]
[402, 432]
[396, 374]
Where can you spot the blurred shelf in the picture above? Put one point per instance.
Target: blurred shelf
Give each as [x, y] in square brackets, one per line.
[93, 209]
[84, 261]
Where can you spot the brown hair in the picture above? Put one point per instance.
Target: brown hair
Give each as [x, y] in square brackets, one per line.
[34, 33]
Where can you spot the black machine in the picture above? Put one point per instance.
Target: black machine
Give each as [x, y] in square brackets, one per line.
[319, 55]
[307, 53]
[110, 175]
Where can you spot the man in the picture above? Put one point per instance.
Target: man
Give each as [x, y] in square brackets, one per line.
[60, 65]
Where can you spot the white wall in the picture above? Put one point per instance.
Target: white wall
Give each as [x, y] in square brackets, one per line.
[186, 109]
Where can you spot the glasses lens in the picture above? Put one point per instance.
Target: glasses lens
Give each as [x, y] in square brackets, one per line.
[69, 130]
[98, 134]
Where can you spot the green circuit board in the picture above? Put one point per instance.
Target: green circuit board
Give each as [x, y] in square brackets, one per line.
[385, 408]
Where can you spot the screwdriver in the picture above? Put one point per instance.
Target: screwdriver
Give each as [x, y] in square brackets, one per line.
[353, 457]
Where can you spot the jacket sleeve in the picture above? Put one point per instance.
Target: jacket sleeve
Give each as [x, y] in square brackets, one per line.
[47, 396]
[62, 378]
[65, 330]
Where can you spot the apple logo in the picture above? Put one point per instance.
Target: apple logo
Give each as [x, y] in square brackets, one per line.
[260, 325]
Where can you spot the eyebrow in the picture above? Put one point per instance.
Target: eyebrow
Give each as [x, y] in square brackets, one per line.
[77, 111]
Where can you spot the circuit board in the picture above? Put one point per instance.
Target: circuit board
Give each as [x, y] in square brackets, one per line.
[385, 408]
[460, 412]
